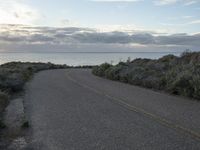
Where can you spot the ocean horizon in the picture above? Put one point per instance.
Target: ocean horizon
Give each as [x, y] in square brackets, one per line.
[79, 58]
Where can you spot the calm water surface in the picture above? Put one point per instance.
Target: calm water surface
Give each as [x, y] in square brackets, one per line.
[78, 58]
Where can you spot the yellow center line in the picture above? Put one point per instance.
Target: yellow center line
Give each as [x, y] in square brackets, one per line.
[122, 102]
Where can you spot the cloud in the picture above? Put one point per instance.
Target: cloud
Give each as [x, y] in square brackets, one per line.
[27, 38]
[68, 23]
[190, 3]
[178, 39]
[116, 1]
[187, 17]
[170, 2]
[165, 2]
[17, 12]
[194, 22]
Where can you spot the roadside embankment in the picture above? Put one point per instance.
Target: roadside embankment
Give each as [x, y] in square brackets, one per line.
[172, 74]
[13, 77]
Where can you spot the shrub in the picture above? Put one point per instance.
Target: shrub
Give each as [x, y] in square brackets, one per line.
[113, 72]
[25, 124]
[195, 82]
[177, 75]
[3, 100]
[2, 125]
[100, 71]
[14, 75]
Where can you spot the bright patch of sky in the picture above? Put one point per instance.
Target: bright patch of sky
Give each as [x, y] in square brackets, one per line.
[171, 16]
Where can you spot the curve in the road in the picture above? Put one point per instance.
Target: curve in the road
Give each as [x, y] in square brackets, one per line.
[73, 109]
[122, 102]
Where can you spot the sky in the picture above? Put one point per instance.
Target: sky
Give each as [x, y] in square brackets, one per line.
[99, 25]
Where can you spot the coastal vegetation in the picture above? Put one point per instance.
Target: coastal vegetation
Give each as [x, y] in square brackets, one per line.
[172, 74]
[13, 77]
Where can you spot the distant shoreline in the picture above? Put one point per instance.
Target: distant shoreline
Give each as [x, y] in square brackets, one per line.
[95, 52]
[78, 58]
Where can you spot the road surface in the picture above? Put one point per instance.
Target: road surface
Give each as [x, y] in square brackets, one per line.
[75, 110]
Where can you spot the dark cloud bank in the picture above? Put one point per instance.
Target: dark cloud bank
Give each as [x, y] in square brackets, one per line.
[26, 38]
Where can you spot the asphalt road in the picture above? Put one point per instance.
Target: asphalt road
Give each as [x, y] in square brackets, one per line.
[74, 110]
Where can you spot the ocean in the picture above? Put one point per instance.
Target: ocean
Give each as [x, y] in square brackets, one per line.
[80, 58]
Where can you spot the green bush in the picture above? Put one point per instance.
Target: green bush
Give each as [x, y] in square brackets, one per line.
[101, 69]
[113, 72]
[14, 75]
[176, 75]
[2, 125]
[25, 124]
[3, 100]
[195, 82]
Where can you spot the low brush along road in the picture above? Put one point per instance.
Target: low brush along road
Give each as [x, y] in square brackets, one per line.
[74, 110]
